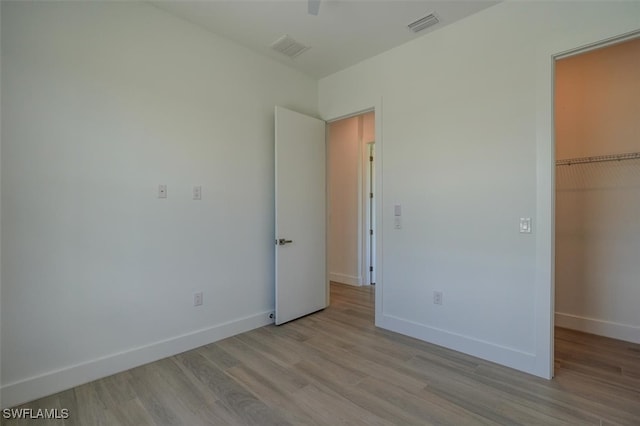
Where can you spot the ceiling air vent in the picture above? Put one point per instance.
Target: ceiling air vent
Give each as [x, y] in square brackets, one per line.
[288, 46]
[423, 23]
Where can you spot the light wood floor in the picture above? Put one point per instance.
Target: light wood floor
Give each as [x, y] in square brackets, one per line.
[335, 367]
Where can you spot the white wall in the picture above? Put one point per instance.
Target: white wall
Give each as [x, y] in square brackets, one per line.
[598, 204]
[347, 190]
[464, 149]
[101, 103]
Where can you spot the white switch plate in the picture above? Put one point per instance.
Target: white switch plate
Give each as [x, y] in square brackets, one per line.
[197, 299]
[525, 225]
[197, 193]
[397, 210]
[162, 191]
[437, 298]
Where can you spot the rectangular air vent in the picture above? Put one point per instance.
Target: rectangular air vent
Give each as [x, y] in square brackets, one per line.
[423, 23]
[288, 46]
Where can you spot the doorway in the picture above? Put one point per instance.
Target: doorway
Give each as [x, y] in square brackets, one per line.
[351, 200]
[303, 150]
[597, 196]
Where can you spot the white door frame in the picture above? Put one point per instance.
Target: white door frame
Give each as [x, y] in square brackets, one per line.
[545, 194]
[368, 216]
[376, 107]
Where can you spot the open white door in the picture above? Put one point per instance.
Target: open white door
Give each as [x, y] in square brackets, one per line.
[300, 215]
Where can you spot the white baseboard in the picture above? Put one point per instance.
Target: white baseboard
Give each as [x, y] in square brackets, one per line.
[345, 279]
[69, 377]
[506, 356]
[615, 330]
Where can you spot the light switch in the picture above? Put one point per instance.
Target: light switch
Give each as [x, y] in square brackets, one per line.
[525, 225]
[397, 222]
[397, 210]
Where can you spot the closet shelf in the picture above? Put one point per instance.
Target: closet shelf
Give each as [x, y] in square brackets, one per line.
[598, 159]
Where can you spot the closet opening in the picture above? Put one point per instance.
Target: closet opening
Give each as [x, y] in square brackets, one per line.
[597, 209]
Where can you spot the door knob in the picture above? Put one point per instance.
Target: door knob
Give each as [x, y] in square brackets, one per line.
[283, 241]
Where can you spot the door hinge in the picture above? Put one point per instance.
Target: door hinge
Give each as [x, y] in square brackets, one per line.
[370, 268]
[370, 231]
[371, 195]
[371, 158]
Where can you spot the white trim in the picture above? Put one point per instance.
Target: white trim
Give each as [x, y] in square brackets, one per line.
[358, 113]
[626, 332]
[544, 222]
[361, 168]
[74, 375]
[509, 357]
[598, 45]
[368, 224]
[379, 216]
[345, 279]
[327, 209]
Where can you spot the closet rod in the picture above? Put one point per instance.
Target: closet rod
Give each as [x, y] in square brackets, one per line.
[598, 159]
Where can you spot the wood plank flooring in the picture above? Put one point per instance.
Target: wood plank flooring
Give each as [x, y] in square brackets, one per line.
[335, 367]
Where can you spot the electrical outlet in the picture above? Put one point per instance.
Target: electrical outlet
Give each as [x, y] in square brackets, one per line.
[162, 191]
[272, 316]
[437, 298]
[197, 299]
[197, 193]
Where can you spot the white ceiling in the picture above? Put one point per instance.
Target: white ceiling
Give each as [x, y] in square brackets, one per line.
[344, 32]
